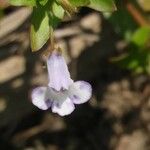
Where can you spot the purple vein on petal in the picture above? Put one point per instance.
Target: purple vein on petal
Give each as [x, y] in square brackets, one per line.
[63, 108]
[39, 96]
[80, 92]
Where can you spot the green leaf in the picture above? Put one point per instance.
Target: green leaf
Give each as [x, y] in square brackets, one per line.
[23, 2]
[43, 2]
[102, 5]
[78, 3]
[141, 37]
[57, 14]
[40, 28]
[44, 19]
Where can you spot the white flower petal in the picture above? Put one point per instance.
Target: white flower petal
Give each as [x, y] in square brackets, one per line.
[40, 98]
[59, 76]
[63, 108]
[80, 92]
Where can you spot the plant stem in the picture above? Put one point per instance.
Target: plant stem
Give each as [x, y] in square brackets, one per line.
[136, 14]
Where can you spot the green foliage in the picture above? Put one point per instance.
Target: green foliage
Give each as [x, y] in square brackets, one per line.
[43, 2]
[78, 3]
[138, 57]
[48, 13]
[102, 5]
[40, 28]
[123, 23]
[141, 37]
[57, 14]
[44, 19]
[23, 2]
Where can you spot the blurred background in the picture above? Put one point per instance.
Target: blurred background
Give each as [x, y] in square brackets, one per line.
[109, 50]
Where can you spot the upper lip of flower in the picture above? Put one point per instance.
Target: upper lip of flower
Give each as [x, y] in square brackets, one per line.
[59, 76]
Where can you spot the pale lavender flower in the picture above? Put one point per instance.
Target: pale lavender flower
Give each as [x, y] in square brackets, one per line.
[61, 93]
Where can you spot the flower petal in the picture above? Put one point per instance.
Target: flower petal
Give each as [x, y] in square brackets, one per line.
[80, 92]
[59, 75]
[63, 108]
[40, 98]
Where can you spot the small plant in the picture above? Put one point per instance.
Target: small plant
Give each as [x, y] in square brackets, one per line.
[134, 29]
[138, 57]
[62, 92]
[48, 13]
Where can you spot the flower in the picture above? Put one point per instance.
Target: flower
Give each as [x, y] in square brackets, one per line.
[62, 92]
